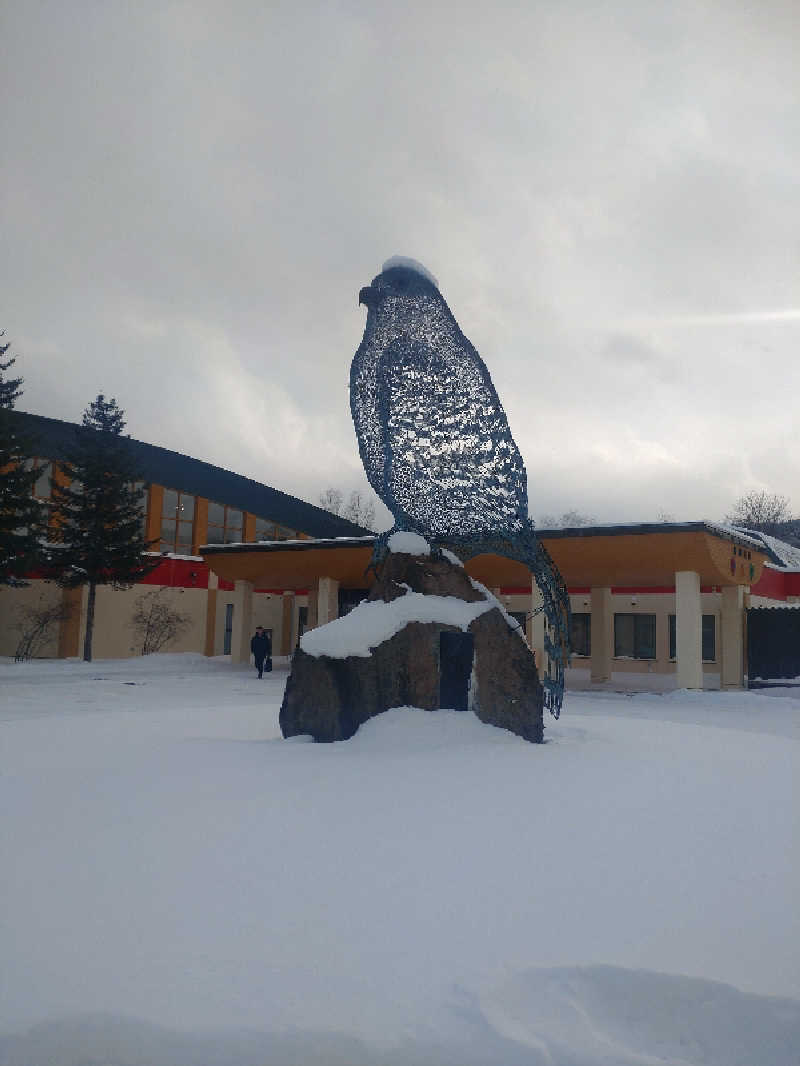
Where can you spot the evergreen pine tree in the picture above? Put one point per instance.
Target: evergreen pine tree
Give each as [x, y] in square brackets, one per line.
[97, 516]
[22, 519]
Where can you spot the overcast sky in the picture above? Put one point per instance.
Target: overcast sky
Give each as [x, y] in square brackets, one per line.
[609, 194]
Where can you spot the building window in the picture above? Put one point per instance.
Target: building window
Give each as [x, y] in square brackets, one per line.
[177, 522]
[225, 524]
[144, 501]
[581, 634]
[44, 471]
[709, 638]
[267, 530]
[635, 636]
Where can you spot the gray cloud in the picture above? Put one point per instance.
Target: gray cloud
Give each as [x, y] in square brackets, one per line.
[194, 193]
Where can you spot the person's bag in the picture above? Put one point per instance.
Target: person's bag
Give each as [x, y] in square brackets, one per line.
[268, 663]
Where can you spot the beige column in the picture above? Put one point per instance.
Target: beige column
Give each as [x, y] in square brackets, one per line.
[327, 600]
[602, 634]
[211, 614]
[242, 623]
[688, 630]
[732, 636]
[536, 629]
[287, 623]
[313, 596]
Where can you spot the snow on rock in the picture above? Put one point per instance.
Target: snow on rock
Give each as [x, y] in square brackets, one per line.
[404, 543]
[410, 264]
[371, 623]
[451, 557]
[490, 596]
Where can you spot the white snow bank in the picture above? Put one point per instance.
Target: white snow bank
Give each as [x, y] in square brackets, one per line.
[403, 543]
[370, 624]
[181, 886]
[410, 264]
[451, 557]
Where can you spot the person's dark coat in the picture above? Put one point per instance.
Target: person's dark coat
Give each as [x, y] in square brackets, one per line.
[260, 646]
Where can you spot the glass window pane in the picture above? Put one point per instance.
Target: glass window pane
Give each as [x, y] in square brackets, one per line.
[41, 487]
[165, 546]
[265, 530]
[581, 634]
[623, 635]
[216, 514]
[709, 637]
[184, 534]
[170, 506]
[186, 506]
[645, 636]
[168, 534]
[234, 518]
[141, 487]
[215, 535]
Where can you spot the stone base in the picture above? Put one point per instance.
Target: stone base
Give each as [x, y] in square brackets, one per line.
[328, 698]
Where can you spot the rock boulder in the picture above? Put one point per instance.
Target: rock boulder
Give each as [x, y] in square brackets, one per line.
[329, 697]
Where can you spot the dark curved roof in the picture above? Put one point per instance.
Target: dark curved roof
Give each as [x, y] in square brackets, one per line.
[52, 439]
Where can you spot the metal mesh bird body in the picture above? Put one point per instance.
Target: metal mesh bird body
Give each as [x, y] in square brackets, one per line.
[436, 444]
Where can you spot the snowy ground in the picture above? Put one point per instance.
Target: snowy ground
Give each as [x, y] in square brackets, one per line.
[180, 886]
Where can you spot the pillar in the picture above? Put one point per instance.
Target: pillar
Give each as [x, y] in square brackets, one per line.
[209, 646]
[732, 636]
[327, 600]
[688, 630]
[242, 621]
[287, 623]
[536, 629]
[602, 634]
[313, 599]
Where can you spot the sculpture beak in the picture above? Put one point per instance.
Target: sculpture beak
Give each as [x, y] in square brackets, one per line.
[367, 296]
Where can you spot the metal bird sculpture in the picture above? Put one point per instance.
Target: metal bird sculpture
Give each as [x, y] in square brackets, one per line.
[436, 444]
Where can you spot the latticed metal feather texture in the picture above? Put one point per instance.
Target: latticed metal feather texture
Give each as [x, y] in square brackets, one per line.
[436, 444]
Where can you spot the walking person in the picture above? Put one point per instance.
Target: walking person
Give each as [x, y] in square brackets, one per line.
[260, 647]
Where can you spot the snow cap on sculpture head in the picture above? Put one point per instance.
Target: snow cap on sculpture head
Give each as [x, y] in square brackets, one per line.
[399, 276]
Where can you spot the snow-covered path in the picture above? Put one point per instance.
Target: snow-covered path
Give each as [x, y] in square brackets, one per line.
[176, 877]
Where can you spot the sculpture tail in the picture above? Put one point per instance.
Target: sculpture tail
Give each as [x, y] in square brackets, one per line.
[556, 610]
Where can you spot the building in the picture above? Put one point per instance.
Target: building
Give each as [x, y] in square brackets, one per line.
[187, 503]
[663, 600]
[661, 603]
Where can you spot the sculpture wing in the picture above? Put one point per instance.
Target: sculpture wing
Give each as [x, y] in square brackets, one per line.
[452, 468]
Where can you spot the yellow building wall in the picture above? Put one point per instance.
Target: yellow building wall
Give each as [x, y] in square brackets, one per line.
[114, 635]
[13, 601]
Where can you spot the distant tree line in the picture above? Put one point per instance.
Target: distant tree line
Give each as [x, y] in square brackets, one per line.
[357, 508]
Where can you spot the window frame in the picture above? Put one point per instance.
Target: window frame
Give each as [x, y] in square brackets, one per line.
[586, 642]
[639, 620]
[174, 545]
[231, 534]
[709, 616]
